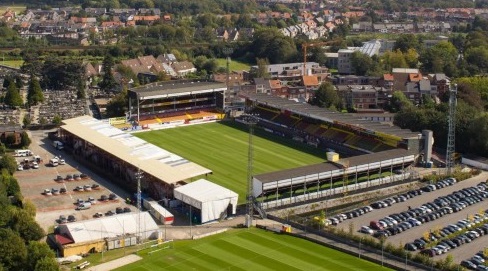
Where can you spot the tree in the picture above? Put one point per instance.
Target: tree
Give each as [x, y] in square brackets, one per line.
[108, 82]
[117, 106]
[399, 102]
[26, 120]
[13, 252]
[25, 225]
[439, 57]
[34, 92]
[9, 163]
[406, 42]
[270, 43]
[361, 63]
[37, 251]
[57, 120]
[46, 264]
[12, 97]
[25, 141]
[326, 96]
[262, 70]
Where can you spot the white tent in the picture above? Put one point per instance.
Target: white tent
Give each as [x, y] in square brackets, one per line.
[212, 199]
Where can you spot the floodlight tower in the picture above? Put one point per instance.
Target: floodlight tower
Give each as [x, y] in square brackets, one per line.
[139, 175]
[227, 52]
[251, 120]
[451, 133]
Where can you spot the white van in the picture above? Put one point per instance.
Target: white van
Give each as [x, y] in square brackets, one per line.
[21, 153]
[54, 162]
[84, 206]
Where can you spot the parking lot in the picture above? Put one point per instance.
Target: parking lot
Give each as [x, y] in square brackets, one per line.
[461, 253]
[35, 183]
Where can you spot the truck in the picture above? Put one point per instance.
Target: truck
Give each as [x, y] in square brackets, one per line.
[58, 144]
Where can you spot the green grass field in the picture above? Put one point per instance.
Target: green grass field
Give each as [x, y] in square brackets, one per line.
[249, 249]
[234, 64]
[223, 148]
[18, 9]
[12, 63]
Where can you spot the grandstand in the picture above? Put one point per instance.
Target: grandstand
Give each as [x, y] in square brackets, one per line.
[173, 102]
[329, 127]
[367, 148]
[315, 175]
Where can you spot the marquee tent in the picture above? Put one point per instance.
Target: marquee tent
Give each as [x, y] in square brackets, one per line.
[211, 199]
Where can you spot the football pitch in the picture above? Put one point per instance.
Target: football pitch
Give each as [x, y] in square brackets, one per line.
[223, 148]
[249, 249]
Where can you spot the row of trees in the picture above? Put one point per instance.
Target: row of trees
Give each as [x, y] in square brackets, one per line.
[20, 248]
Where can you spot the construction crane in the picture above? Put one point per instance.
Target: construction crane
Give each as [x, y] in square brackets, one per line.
[305, 45]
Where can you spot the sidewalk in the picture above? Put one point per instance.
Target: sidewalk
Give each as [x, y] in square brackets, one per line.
[115, 263]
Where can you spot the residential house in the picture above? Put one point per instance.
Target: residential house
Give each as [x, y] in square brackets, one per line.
[96, 11]
[235, 77]
[363, 96]
[287, 69]
[310, 84]
[183, 68]
[149, 19]
[356, 80]
[150, 11]
[146, 68]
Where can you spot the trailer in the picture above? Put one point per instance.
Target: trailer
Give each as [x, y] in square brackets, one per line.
[159, 212]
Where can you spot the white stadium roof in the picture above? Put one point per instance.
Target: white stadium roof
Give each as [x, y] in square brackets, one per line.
[110, 226]
[153, 160]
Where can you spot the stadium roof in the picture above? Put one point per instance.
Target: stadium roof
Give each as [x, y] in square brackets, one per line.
[108, 227]
[315, 112]
[328, 166]
[175, 88]
[151, 159]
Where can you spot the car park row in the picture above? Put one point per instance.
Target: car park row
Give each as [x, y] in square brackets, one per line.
[477, 262]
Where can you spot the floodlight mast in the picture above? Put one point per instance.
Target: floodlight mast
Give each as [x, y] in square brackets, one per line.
[139, 176]
[251, 120]
[451, 134]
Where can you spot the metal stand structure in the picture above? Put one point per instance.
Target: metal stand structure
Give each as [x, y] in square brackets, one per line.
[251, 120]
[451, 134]
[227, 52]
[139, 175]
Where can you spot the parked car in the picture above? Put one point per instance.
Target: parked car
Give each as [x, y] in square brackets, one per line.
[97, 215]
[410, 247]
[103, 198]
[47, 192]
[112, 196]
[62, 219]
[62, 190]
[95, 186]
[366, 229]
[71, 218]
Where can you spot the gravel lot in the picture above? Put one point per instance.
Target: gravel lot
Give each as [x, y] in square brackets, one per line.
[33, 182]
[461, 253]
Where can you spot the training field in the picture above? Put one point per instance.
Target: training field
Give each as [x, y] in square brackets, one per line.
[249, 249]
[223, 148]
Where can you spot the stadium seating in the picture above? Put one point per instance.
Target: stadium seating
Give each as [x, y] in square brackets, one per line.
[285, 120]
[336, 135]
[265, 113]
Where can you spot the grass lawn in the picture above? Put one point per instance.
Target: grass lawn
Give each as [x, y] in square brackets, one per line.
[18, 9]
[12, 63]
[234, 64]
[223, 148]
[249, 249]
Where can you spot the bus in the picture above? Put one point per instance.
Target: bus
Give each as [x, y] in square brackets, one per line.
[20, 153]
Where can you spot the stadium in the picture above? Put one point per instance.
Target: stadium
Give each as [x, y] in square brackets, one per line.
[361, 153]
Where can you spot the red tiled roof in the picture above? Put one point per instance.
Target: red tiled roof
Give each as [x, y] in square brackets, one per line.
[388, 77]
[414, 77]
[63, 240]
[310, 80]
